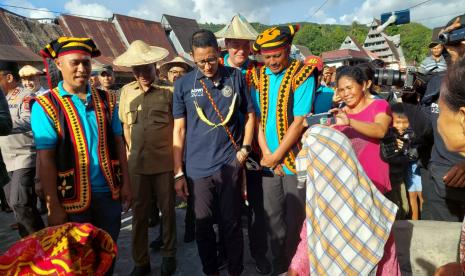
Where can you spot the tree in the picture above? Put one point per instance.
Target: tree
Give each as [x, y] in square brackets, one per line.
[321, 38]
[414, 39]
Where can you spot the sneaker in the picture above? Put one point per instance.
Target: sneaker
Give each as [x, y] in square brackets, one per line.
[154, 221]
[222, 263]
[168, 266]
[182, 205]
[262, 265]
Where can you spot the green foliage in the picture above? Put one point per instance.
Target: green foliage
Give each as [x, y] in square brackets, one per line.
[212, 27]
[414, 38]
[321, 38]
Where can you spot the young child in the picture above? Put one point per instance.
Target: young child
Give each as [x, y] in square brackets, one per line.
[403, 160]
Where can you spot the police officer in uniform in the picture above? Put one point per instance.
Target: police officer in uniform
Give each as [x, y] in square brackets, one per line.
[5, 129]
[18, 152]
[145, 110]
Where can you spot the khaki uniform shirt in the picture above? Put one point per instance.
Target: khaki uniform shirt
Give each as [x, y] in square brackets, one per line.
[149, 118]
[18, 149]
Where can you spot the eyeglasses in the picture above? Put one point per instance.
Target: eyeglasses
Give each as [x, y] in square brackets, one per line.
[203, 62]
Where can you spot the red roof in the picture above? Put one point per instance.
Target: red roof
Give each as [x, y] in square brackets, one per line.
[343, 55]
[150, 32]
[103, 33]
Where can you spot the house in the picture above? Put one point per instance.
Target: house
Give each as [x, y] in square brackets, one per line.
[349, 53]
[103, 33]
[22, 38]
[151, 32]
[180, 30]
[342, 57]
[106, 38]
[385, 47]
[300, 52]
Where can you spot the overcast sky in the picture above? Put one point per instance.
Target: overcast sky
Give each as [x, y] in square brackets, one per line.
[434, 13]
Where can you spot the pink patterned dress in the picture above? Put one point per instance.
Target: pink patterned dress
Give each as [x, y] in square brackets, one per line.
[388, 266]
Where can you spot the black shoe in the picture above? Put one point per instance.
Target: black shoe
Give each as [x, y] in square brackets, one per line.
[189, 236]
[278, 268]
[157, 243]
[6, 208]
[154, 221]
[43, 210]
[141, 270]
[168, 266]
[222, 263]
[262, 265]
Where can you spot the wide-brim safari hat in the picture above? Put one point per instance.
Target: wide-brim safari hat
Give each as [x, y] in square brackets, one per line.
[29, 71]
[238, 28]
[140, 53]
[177, 61]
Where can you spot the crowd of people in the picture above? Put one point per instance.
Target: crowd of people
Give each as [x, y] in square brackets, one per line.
[231, 135]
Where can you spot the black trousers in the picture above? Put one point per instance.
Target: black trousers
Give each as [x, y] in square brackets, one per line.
[220, 195]
[189, 219]
[258, 239]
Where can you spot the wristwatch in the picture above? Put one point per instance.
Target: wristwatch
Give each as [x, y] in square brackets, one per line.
[247, 148]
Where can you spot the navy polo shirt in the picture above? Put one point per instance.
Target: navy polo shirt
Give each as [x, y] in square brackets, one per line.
[208, 148]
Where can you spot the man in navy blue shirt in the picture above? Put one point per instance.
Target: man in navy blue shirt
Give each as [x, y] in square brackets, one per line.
[209, 139]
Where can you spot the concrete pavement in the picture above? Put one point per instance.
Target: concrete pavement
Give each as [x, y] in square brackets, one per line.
[188, 261]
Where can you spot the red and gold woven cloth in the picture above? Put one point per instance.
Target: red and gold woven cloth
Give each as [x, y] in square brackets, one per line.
[68, 249]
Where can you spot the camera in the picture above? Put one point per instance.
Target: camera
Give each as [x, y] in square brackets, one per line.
[411, 80]
[408, 150]
[453, 37]
[390, 77]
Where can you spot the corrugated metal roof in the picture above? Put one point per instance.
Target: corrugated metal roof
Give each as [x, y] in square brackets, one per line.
[17, 53]
[148, 31]
[11, 47]
[7, 36]
[183, 28]
[109, 60]
[32, 33]
[103, 33]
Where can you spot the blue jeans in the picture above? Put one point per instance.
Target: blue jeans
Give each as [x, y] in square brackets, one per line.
[104, 213]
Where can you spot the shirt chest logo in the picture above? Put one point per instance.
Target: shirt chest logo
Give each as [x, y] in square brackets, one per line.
[196, 92]
[227, 91]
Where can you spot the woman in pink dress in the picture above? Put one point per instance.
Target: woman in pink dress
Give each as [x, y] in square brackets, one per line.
[364, 121]
[348, 223]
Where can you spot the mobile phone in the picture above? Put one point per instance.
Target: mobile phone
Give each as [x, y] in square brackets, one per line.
[326, 119]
